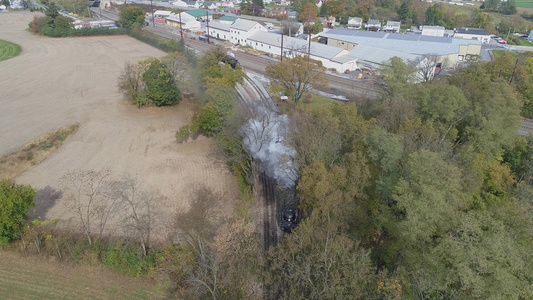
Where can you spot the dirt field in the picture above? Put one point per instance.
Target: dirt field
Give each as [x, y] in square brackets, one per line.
[37, 278]
[57, 82]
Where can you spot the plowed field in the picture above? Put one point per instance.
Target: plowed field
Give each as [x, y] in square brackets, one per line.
[57, 82]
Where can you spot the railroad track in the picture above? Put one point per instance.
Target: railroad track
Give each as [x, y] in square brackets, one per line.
[270, 215]
[526, 128]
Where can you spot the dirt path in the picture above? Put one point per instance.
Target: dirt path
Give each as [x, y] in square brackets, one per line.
[56, 82]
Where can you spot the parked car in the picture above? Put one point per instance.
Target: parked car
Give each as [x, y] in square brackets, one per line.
[501, 41]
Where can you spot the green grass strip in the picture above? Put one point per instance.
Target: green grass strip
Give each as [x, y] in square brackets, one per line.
[8, 50]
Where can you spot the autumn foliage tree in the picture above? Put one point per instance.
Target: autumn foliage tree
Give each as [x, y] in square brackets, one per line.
[297, 76]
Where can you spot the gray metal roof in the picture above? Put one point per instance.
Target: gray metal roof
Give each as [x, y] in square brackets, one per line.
[219, 25]
[433, 27]
[375, 55]
[403, 43]
[317, 49]
[468, 30]
[244, 25]
[373, 22]
[393, 23]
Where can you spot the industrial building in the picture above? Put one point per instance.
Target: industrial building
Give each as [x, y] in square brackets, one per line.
[367, 45]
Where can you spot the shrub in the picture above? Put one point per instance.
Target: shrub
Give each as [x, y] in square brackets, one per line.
[183, 133]
[160, 84]
[15, 202]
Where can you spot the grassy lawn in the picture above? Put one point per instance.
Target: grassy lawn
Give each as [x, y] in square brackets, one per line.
[8, 50]
[499, 53]
[524, 3]
[522, 42]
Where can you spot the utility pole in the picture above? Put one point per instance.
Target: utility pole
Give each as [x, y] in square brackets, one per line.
[282, 45]
[514, 70]
[152, 8]
[207, 16]
[181, 27]
[309, 48]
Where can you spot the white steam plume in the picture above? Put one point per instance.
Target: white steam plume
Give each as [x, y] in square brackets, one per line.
[265, 137]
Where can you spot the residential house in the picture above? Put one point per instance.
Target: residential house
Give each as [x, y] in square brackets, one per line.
[192, 3]
[530, 37]
[179, 3]
[210, 5]
[472, 34]
[392, 26]
[318, 3]
[282, 2]
[228, 4]
[330, 22]
[373, 25]
[354, 22]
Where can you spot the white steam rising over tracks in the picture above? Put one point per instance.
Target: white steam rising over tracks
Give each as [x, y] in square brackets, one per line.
[265, 137]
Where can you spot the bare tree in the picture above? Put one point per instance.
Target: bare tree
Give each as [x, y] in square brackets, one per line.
[138, 204]
[427, 67]
[86, 196]
[130, 80]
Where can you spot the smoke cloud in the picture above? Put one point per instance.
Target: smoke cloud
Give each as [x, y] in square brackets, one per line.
[265, 137]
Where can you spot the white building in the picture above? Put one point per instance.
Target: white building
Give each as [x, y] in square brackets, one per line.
[392, 26]
[472, 34]
[354, 22]
[530, 37]
[331, 57]
[373, 25]
[162, 14]
[433, 30]
[242, 29]
[187, 21]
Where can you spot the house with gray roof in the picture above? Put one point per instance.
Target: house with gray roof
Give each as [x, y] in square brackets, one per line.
[354, 22]
[373, 25]
[392, 26]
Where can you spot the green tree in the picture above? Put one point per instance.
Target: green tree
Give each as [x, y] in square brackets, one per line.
[5, 3]
[309, 15]
[52, 11]
[494, 112]
[480, 18]
[62, 22]
[405, 11]
[299, 5]
[160, 87]
[435, 15]
[398, 75]
[15, 202]
[297, 75]
[130, 16]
